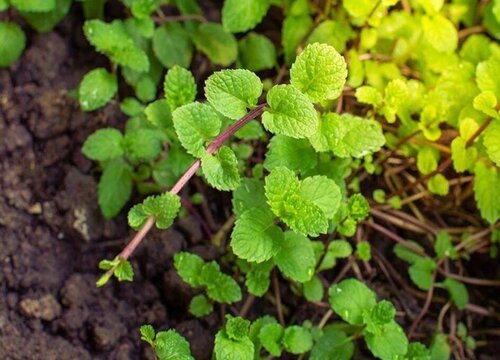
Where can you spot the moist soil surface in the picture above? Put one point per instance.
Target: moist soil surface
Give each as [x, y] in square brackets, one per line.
[52, 235]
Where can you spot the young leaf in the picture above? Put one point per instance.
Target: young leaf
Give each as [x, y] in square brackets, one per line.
[147, 333]
[104, 144]
[13, 43]
[369, 95]
[159, 115]
[319, 72]
[332, 345]
[115, 187]
[237, 327]
[229, 349]
[389, 343]
[179, 87]
[297, 340]
[487, 73]
[444, 247]
[250, 194]
[296, 259]
[217, 44]
[257, 279]
[270, 337]
[124, 271]
[231, 92]
[243, 15]
[323, 192]
[96, 89]
[421, 272]
[200, 306]
[255, 238]
[364, 250]
[313, 289]
[486, 102]
[253, 44]
[164, 208]
[440, 33]
[458, 292]
[492, 142]
[189, 267]
[47, 20]
[143, 144]
[291, 113]
[33, 5]
[196, 124]
[113, 40]
[295, 154]
[170, 345]
[172, 45]
[487, 191]
[221, 169]
[439, 185]
[440, 348]
[350, 299]
[220, 287]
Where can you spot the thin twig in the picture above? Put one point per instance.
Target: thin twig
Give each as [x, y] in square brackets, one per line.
[424, 310]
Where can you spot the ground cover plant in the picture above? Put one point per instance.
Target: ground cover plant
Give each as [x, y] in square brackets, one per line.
[345, 154]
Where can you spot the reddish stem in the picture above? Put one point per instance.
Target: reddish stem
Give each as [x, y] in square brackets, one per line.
[212, 148]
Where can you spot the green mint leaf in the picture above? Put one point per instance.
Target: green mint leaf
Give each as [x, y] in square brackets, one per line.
[237, 327]
[124, 271]
[231, 92]
[115, 187]
[487, 74]
[350, 299]
[147, 333]
[427, 160]
[200, 306]
[333, 33]
[221, 169]
[96, 89]
[33, 5]
[364, 250]
[179, 87]
[381, 314]
[408, 255]
[463, 158]
[253, 44]
[47, 20]
[255, 238]
[439, 185]
[295, 29]
[369, 95]
[218, 45]
[323, 192]
[440, 348]
[143, 8]
[13, 43]
[291, 113]
[491, 141]
[196, 124]
[444, 247]
[143, 144]
[104, 144]
[319, 72]
[297, 340]
[172, 45]
[313, 289]
[332, 345]
[359, 9]
[189, 267]
[283, 192]
[348, 136]
[164, 208]
[440, 33]
[417, 351]
[458, 292]
[159, 115]
[250, 194]
[131, 107]
[113, 40]
[421, 272]
[169, 345]
[220, 287]
[145, 88]
[336, 249]
[486, 102]
[295, 154]
[296, 259]
[243, 15]
[487, 191]
[229, 349]
[270, 336]
[358, 207]
[257, 279]
[390, 342]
